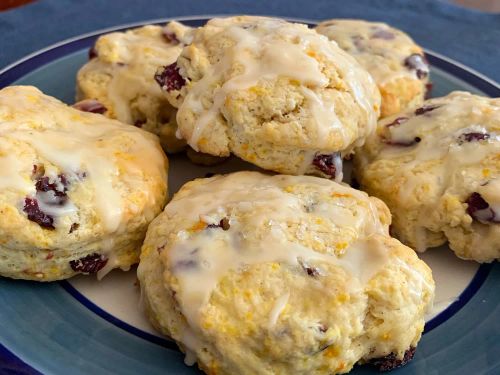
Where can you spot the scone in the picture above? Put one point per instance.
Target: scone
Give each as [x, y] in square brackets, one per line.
[77, 190]
[274, 93]
[396, 63]
[258, 274]
[120, 76]
[438, 169]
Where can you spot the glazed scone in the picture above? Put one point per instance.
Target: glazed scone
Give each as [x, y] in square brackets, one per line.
[258, 274]
[276, 94]
[120, 76]
[395, 62]
[77, 190]
[438, 170]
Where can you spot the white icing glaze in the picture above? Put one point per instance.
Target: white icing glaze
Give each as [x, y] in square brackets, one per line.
[267, 49]
[12, 168]
[440, 131]
[278, 308]
[491, 193]
[78, 142]
[451, 158]
[131, 59]
[199, 261]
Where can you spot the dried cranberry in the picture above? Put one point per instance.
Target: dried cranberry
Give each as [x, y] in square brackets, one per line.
[358, 42]
[480, 210]
[425, 109]
[311, 271]
[43, 184]
[391, 362]
[170, 37]
[139, 123]
[472, 137]
[169, 78]
[92, 52]
[417, 62]
[89, 264]
[90, 105]
[74, 227]
[428, 90]
[397, 121]
[36, 214]
[383, 34]
[224, 224]
[322, 328]
[328, 163]
[408, 143]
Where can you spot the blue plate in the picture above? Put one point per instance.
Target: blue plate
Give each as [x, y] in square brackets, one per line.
[85, 327]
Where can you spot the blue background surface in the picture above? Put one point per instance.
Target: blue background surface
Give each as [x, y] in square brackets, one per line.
[470, 37]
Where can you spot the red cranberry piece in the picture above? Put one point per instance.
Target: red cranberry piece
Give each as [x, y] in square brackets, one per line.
[425, 109]
[92, 53]
[358, 42]
[36, 215]
[480, 210]
[170, 37]
[417, 62]
[74, 227]
[397, 121]
[408, 143]
[428, 90]
[169, 78]
[328, 163]
[224, 224]
[43, 184]
[473, 137]
[390, 362]
[89, 264]
[90, 105]
[311, 271]
[139, 123]
[383, 34]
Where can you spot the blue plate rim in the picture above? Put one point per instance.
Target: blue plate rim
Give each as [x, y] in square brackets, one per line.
[37, 59]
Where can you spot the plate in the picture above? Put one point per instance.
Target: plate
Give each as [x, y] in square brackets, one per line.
[82, 326]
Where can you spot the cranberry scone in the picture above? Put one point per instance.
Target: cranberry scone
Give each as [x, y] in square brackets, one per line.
[77, 190]
[438, 169]
[118, 81]
[395, 61]
[258, 274]
[274, 93]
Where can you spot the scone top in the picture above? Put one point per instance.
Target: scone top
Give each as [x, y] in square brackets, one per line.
[277, 274]
[272, 92]
[120, 76]
[394, 60]
[386, 52]
[66, 170]
[438, 169]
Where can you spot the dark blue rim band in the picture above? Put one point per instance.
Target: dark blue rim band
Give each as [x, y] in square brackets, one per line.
[476, 283]
[117, 322]
[12, 365]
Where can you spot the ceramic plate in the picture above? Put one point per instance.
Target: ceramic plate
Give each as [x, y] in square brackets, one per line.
[83, 326]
